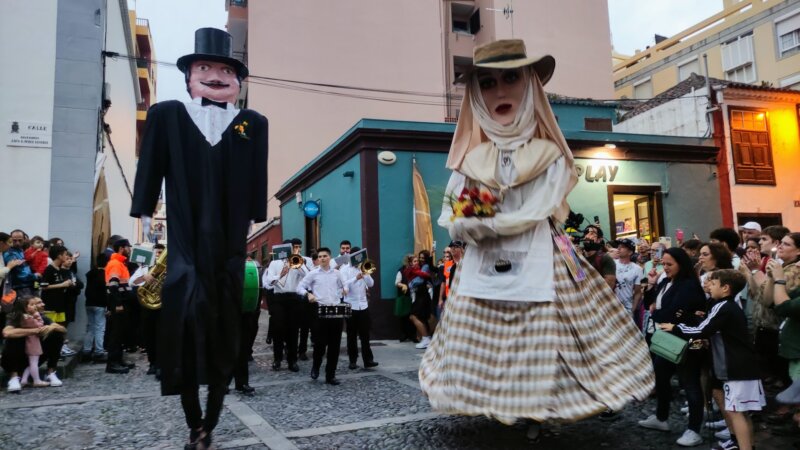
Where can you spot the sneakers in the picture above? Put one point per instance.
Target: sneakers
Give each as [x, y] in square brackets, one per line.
[726, 445]
[718, 425]
[54, 381]
[66, 351]
[653, 423]
[723, 434]
[13, 385]
[424, 343]
[689, 439]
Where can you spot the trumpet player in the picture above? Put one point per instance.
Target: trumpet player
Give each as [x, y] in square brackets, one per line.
[356, 285]
[285, 308]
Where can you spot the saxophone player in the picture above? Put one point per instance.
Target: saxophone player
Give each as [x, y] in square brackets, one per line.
[150, 316]
[285, 309]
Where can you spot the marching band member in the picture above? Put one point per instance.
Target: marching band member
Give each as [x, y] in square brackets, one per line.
[358, 324]
[324, 286]
[150, 316]
[285, 307]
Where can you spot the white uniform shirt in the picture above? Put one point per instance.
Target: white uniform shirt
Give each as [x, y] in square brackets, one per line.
[140, 272]
[356, 289]
[288, 284]
[326, 285]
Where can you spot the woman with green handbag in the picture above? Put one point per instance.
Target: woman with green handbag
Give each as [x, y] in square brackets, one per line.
[676, 299]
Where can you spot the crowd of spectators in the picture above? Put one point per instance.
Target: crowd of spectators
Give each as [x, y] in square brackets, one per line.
[735, 354]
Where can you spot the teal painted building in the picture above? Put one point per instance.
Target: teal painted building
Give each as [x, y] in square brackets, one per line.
[637, 185]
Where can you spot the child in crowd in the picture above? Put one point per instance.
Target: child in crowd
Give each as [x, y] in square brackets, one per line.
[733, 355]
[36, 256]
[418, 276]
[30, 318]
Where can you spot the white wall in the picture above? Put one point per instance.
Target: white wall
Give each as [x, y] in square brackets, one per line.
[27, 49]
[785, 142]
[680, 117]
[122, 119]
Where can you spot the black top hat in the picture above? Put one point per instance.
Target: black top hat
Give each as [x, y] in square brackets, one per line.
[211, 44]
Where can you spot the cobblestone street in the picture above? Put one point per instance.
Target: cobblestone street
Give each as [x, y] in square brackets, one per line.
[375, 409]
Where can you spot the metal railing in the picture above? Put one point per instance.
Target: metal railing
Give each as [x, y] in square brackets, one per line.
[142, 22]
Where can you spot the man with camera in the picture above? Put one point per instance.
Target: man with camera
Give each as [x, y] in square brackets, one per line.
[594, 250]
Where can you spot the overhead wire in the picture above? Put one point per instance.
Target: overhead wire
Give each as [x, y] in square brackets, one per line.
[302, 86]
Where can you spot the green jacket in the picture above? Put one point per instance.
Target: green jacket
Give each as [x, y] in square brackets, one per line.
[789, 344]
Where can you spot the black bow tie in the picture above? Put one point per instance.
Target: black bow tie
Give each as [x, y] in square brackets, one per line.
[207, 102]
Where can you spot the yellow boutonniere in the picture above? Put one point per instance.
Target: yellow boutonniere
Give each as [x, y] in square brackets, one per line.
[240, 129]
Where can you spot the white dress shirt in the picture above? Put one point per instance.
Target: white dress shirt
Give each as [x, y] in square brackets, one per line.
[288, 284]
[356, 289]
[326, 285]
[211, 120]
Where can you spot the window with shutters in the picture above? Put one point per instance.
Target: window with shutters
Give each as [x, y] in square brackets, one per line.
[686, 68]
[643, 89]
[787, 30]
[752, 154]
[738, 59]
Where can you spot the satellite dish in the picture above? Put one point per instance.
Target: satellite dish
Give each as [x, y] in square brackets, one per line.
[386, 157]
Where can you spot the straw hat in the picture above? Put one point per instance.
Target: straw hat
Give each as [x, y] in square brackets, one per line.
[509, 54]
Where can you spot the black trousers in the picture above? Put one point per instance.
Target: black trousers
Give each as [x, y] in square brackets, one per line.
[150, 320]
[327, 342]
[117, 325]
[13, 358]
[689, 378]
[133, 329]
[358, 330]
[306, 313]
[766, 346]
[241, 373]
[284, 311]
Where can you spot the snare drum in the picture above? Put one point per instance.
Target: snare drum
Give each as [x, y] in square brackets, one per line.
[340, 311]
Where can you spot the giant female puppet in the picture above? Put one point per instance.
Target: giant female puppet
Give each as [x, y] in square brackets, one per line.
[531, 331]
[213, 160]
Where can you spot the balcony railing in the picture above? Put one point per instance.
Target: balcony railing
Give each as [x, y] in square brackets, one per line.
[142, 22]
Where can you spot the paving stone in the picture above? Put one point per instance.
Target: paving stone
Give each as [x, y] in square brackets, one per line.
[134, 423]
[315, 404]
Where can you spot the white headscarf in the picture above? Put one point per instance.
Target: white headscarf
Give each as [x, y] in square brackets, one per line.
[520, 131]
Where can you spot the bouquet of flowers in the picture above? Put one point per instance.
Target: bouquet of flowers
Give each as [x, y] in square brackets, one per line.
[474, 203]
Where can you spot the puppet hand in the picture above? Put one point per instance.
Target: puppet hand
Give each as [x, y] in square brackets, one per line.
[473, 229]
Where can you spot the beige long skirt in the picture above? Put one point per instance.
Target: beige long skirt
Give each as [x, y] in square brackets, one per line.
[562, 360]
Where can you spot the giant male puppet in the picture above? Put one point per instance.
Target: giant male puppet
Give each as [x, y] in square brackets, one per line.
[213, 158]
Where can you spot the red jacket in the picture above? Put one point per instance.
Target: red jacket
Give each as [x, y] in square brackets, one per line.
[36, 259]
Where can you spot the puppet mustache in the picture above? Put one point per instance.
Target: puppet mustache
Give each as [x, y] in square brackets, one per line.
[214, 83]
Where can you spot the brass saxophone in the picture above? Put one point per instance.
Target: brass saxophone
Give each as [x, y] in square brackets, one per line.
[150, 293]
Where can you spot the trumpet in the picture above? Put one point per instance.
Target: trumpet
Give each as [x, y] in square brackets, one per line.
[295, 262]
[368, 267]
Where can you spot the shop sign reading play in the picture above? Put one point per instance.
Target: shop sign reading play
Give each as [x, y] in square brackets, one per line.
[599, 172]
[29, 134]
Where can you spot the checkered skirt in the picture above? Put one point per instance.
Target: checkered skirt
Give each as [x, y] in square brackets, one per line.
[562, 360]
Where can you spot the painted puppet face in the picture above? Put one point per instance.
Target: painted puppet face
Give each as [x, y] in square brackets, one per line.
[213, 80]
[502, 91]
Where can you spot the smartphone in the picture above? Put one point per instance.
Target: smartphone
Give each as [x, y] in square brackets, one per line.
[660, 252]
[665, 241]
